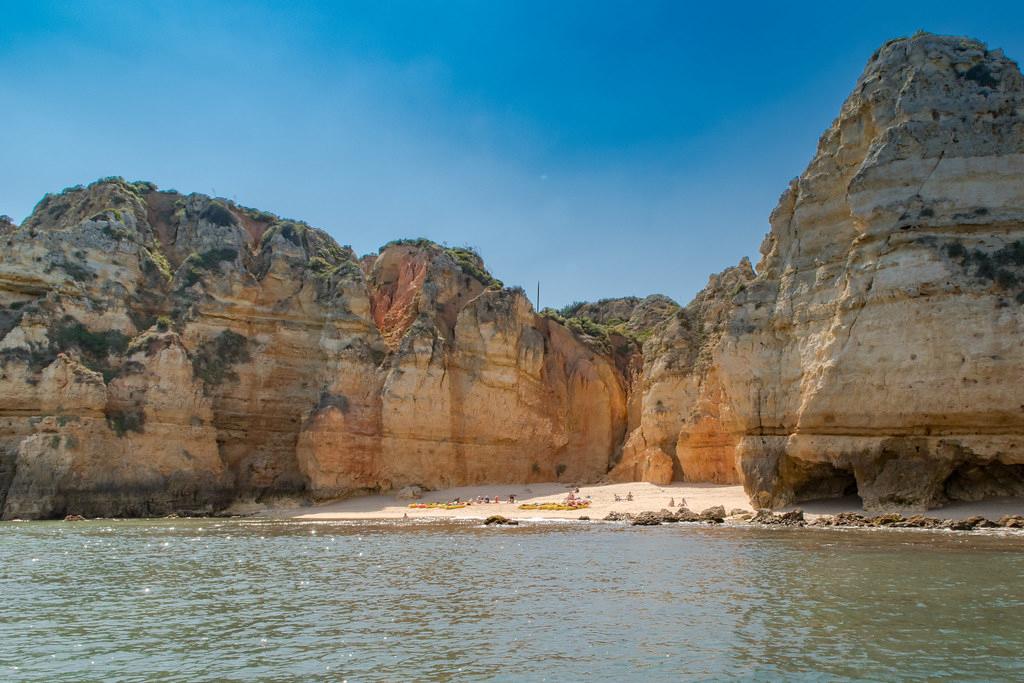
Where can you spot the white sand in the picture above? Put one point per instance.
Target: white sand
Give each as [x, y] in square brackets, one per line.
[645, 497]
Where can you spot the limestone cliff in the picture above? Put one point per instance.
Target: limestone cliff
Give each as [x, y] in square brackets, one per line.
[163, 352]
[678, 427]
[878, 349]
[177, 353]
[882, 342]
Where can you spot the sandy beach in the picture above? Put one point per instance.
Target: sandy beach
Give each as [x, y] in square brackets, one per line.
[697, 497]
[602, 497]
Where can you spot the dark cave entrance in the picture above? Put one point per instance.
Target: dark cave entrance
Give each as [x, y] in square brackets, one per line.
[823, 480]
[972, 481]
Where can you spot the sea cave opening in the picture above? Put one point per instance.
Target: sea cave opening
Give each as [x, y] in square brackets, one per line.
[824, 481]
[973, 481]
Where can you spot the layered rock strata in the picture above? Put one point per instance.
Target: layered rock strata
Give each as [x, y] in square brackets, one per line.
[163, 352]
[178, 353]
[878, 349]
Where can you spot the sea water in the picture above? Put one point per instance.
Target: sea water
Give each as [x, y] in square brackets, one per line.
[252, 600]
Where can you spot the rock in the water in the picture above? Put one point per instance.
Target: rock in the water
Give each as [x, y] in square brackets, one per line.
[498, 519]
[667, 516]
[769, 518]
[74, 518]
[687, 515]
[979, 522]
[889, 519]
[921, 522]
[618, 517]
[646, 519]
[715, 513]
[1012, 521]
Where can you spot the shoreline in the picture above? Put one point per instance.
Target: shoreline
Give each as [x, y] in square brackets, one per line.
[651, 504]
[648, 500]
[645, 497]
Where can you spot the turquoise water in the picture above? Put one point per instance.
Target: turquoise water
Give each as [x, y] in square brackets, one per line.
[197, 600]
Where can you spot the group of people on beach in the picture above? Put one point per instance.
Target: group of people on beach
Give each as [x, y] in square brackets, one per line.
[482, 500]
[574, 499]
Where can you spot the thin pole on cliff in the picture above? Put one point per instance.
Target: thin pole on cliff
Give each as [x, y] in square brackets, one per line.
[538, 296]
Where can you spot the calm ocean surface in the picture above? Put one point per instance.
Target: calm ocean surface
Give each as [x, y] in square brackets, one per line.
[192, 600]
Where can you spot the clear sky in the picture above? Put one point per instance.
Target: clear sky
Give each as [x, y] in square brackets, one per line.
[603, 148]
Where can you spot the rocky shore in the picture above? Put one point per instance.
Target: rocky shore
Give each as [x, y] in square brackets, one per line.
[796, 518]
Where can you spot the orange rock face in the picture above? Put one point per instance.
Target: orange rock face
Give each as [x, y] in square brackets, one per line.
[176, 353]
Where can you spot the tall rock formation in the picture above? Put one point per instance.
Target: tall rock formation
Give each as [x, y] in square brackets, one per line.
[880, 346]
[886, 324]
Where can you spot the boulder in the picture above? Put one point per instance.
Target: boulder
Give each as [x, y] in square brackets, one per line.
[889, 519]
[647, 519]
[687, 515]
[667, 516]
[498, 519]
[618, 517]
[1012, 521]
[769, 518]
[715, 513]
[921, 522]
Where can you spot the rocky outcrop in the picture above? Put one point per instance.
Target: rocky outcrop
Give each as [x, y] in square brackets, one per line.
[167, 353]
[875, 351]
[683, 428]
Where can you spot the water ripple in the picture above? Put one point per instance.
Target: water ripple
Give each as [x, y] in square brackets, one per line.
[259, 600]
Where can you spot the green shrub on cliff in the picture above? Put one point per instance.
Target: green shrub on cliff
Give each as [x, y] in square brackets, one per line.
[72, 333]
[155, 263]
[124, 421]
[570, 310]
[196, 264]
[214, 359]
[419, 242]
[218, 214]
[1001, 267]
[472, 264]
[95, 348]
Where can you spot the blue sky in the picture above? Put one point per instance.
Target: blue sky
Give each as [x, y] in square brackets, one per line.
[603, 148]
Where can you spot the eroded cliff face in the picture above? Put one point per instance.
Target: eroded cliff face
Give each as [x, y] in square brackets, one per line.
[166, 353]
[177, 353]
[886, 322]
[879, 348]
[683, 429]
